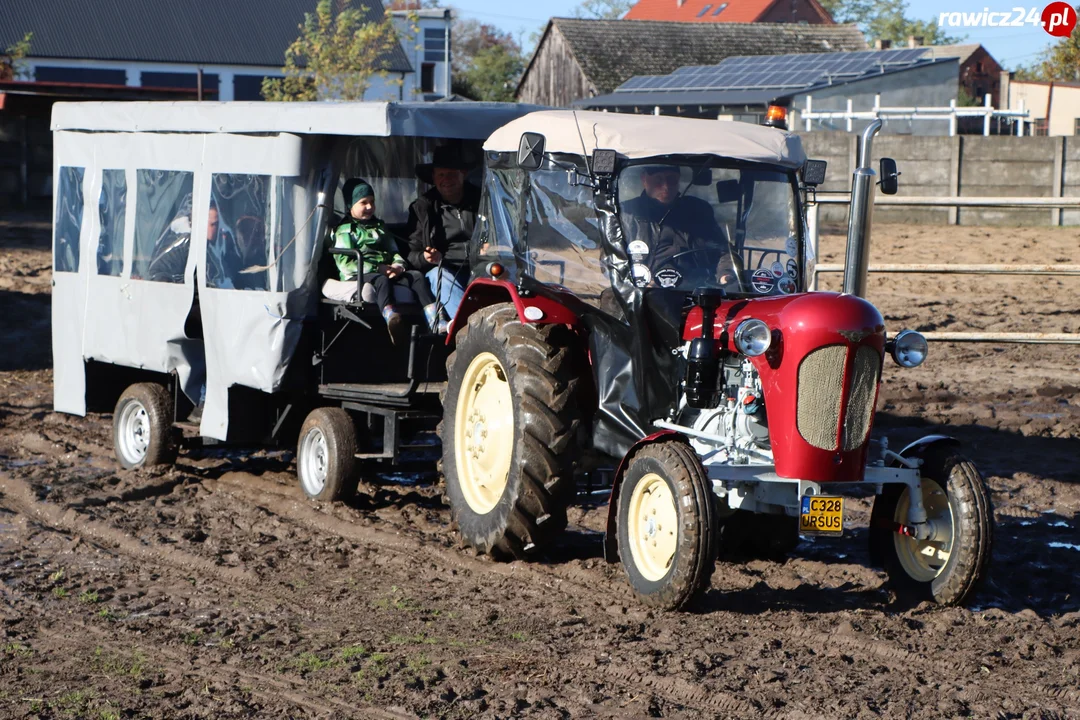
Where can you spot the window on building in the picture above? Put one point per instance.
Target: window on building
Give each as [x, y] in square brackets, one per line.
[1076, 126]
[184, 81]
[434, 44]
[112, 206]
[68, 225]
[704, 10]
[162, 225]
[719, 9]
[238, 219]
[978, 66]
[427, 77]
[1042, 126]
[248, 87]
[89, 76]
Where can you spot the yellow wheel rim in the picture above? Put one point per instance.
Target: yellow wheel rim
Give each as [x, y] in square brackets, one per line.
[924, 560]
[653, 527]
[484, 433]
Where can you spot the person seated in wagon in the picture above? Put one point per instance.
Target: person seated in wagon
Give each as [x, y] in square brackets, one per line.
[383, 267]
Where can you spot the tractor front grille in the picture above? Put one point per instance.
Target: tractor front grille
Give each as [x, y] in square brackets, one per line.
[863, 390]
[821, 391]
[821, 385]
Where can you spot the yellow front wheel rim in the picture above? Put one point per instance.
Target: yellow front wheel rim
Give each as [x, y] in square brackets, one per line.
[653, 527]
[924, 560]
[484, 433]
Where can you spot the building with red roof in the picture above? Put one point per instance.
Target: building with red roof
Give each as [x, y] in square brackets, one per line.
[732, 11]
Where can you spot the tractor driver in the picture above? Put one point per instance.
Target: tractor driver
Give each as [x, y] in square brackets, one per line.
[680, 231]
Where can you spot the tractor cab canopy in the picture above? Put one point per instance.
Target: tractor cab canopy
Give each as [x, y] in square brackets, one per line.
[188, 236]
[631, 214]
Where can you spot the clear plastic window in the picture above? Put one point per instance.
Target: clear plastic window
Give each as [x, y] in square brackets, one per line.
[162, 225]
[112, 205]
[68, 225]
[238, 220]
[563, 233]
[689, 226]
[294, 236]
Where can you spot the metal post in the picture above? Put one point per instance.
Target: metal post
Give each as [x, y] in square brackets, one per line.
[986, 115]
[809, 109]
[860, 217]
[813, 217]
[446, 54]
[198, 84]
[1020, 121]
[952, 118]
[849, 114]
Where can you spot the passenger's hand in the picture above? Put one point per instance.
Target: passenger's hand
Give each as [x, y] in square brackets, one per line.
[432, 255]
[393, 271]
[181, 225]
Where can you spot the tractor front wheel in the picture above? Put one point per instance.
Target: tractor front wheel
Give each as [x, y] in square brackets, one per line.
[509, 420]
[666, 525]
[949, 566]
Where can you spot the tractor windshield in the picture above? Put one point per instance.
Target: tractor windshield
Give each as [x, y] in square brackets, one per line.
[690, 225]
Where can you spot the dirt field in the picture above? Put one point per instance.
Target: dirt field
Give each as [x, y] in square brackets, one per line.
[213, 589]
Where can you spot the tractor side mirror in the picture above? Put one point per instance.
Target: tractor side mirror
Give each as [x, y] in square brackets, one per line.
[888, 174]
[530, 154]
[603, 162]
[814, 172]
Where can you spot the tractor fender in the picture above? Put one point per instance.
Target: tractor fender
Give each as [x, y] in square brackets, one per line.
[920, 446]
[534, 309]
[611, 547]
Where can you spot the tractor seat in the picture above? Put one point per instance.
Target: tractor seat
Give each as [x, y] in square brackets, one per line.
[345, 292]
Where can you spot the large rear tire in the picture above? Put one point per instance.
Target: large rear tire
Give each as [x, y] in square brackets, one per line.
[950, 567]
[326, 455]
[142, 426]
[510, 417]
[666, 525]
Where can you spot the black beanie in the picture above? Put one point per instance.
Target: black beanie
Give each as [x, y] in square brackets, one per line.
[355, 190]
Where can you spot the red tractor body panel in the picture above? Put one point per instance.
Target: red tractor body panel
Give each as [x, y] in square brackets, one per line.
[488, 291]
[819, 429]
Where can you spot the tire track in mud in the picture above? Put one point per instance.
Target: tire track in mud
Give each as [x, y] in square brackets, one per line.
[20, 497]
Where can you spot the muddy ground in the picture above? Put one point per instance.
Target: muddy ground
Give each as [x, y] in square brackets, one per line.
[213, 589]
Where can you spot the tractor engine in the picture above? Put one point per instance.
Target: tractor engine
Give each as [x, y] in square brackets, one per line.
[737, 420]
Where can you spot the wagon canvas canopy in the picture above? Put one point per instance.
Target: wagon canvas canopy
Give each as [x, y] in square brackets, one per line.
[641, 136]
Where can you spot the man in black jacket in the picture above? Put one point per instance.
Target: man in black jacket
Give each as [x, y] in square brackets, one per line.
[441, 224]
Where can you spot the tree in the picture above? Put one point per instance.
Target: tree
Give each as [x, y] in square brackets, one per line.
[603, 9]
[1059, 62]
[11, 67]
[335, 56]
[887, 20]
[486, 63]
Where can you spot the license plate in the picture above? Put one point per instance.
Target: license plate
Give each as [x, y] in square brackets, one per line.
[821, 515]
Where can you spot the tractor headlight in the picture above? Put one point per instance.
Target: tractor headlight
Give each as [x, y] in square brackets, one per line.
[909, 349]
[752, 337]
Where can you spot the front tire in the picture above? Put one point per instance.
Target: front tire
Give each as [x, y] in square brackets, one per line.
[950, 567]
[666, 525]
[326, 455]
[142, 426]
[509, 421]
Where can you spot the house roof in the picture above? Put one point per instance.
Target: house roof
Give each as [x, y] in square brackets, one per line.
[642, 136]
[610, 52]
[961, 52]
[213, 32]
[709, 11]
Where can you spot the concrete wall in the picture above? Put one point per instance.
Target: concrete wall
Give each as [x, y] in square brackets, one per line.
[964, 166]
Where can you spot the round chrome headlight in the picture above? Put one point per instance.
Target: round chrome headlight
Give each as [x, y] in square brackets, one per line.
[752, 337]
[909, 349]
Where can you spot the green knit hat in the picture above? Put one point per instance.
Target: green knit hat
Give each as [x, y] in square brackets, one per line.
[356, 190]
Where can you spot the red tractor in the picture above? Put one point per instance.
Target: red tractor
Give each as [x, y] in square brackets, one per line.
[640, 298]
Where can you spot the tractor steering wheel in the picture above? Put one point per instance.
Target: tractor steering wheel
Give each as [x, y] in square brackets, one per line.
[711, 273]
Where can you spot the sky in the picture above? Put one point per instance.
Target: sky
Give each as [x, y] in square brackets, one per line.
[1010, 46]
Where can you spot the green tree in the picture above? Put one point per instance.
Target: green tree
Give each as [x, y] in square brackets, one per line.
[486, 63]
[11, 65]
[887, 20]
[335, 56]
[1059, 62]
[603, 9]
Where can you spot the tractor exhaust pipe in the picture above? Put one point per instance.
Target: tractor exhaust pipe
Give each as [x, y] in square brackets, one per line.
[861, 216]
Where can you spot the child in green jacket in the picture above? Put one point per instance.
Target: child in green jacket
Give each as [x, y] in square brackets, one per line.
[383, 266]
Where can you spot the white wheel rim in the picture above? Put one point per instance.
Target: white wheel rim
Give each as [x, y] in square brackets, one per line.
[924, 560]
[133, 432]
[314, 462]
[653, 527]
[484, 433]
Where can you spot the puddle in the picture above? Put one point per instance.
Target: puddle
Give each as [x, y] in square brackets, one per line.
[1059, 523]
[1066, 546]
[402, 478]
[23, 463]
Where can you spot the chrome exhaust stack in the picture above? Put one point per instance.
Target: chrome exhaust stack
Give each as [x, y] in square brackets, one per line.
[860, 216]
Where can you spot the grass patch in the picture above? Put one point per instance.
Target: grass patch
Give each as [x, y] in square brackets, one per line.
[90, 597]
[60, 592]
[17, 650]
[308, 662]
[418, 639]
[192, 638]
[519, 636]
[57, 576]
[397, 600]
[120, 665]
[353, 652]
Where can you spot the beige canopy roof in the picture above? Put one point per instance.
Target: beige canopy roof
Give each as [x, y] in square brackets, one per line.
[642, 136]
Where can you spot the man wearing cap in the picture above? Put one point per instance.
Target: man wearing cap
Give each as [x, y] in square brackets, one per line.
[678, 229]
[441, 224]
